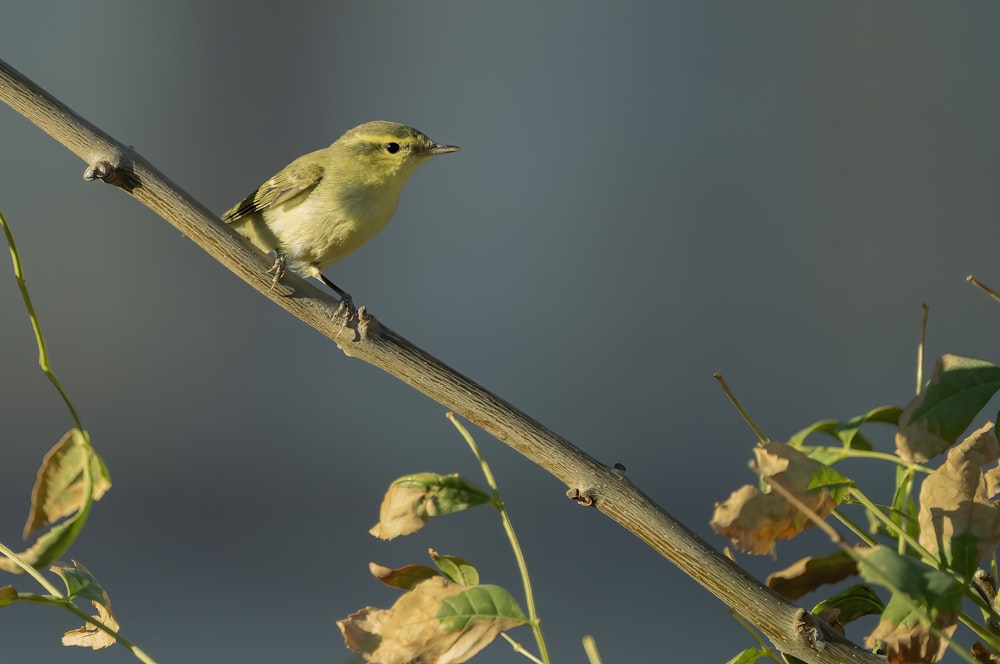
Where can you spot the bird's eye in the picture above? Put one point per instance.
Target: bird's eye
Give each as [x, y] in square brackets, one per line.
[392, 148]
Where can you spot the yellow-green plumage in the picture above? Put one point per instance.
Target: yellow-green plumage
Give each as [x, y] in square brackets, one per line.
[327, 203]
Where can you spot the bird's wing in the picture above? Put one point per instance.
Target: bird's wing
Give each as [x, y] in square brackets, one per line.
[287, 184]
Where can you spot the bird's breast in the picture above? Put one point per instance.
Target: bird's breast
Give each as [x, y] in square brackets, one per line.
[319, 229]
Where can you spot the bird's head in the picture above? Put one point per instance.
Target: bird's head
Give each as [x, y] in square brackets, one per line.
[382, 152]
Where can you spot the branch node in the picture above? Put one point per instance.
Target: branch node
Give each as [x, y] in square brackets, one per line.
[581, 496]
[104, 170]
[808, 626]
[368, 325]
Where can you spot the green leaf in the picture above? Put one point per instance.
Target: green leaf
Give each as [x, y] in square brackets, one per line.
[958, 389]
[749, 656]
[798, 439]
[854, 602]
[963, 554]
[904, 509]
[80, 583]
[846, 432]
[487, 602]
[458, 570]
[827, 478]
[452, 493]
[933, 591]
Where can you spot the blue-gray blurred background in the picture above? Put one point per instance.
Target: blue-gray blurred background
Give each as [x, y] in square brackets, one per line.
[647, 193]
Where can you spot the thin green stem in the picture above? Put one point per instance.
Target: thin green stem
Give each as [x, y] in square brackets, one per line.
[854, 528]
[590, 649]
[31, 571]
[852, 453]
[891, 527]
[978, 284]
[979, 630]
[74, 609]
[739, 407]
[755, 635]
[515, 545]
[43, 356]
[519, 649]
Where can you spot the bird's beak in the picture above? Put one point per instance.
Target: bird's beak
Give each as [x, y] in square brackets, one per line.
[440, 149]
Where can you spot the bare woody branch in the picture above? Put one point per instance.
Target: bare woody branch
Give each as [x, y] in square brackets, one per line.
[360, 335]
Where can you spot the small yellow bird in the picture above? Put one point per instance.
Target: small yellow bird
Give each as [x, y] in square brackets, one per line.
[327, 203]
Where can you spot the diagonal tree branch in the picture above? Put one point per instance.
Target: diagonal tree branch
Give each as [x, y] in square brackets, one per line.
[360, 335]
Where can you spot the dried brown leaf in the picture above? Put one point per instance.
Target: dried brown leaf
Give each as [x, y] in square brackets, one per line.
[983, 654]
[912, 644]
[91, 636]
[956, 513]
[410, 501]
[916, 442]
[403, 511]
[58, 490]
[405, 577]
[807, 574]
[755, 520]
[8, 594]
[411, 631]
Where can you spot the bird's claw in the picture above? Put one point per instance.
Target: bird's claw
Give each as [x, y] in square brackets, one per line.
[278, 269]
[347, 307]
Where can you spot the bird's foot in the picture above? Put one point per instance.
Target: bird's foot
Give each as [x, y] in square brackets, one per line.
[278, 269]
[346, 309]
[345, 297]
